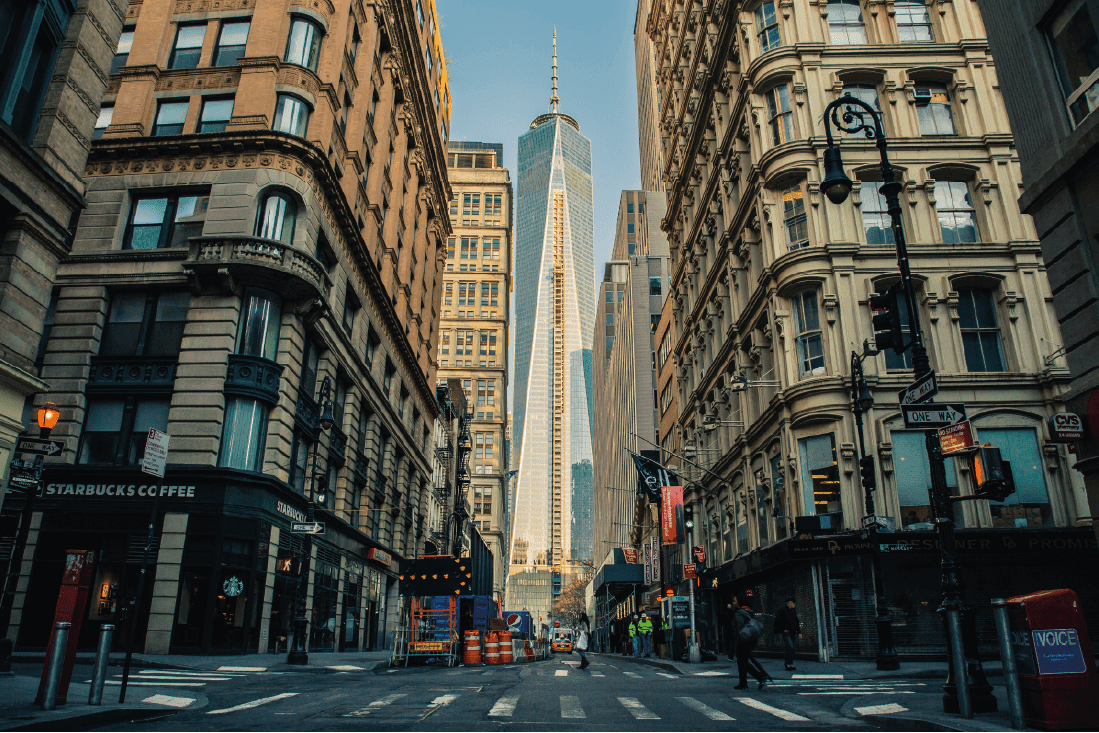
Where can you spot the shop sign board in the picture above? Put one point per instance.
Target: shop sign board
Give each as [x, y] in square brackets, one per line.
[631, 555]
[1065, 427]
[379, 556]
[654, 544]
[928, 416]
[957, 438]
[156, 453]
[922, 390]
[647, 552]
[233, 586]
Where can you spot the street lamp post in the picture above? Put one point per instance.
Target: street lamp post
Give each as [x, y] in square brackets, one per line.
[862, 400]
[849, 114]
[299, 654]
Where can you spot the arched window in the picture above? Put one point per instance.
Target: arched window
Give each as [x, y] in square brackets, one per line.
[303, 47]
[291, 115]
[277, 214]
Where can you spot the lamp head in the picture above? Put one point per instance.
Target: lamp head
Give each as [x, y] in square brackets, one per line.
[836, 185]
[326, 419]
[865, 400]
[48, 415]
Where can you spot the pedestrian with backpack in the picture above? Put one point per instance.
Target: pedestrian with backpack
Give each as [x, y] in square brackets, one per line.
[788, 626]
[583, 636]
[748, 630]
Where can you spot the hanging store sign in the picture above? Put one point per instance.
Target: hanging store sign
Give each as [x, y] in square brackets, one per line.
[671, 514]
[1065, 427]
[654, 548]
[233, 586]
[379, 556]
[648, 556]
[698, 552]
[631, 555]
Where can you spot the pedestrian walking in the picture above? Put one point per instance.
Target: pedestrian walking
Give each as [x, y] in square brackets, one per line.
[728, 628]
[635, 636]
[788, 626]
[645, 628]
[748, 631]
[583, 637]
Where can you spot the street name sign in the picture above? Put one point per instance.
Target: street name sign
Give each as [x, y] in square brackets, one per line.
[24, 475]
[884, 523]
[307, 527]
[40, 447]
[922, 390]
[957, 438]
[928, 416]
[156, 453]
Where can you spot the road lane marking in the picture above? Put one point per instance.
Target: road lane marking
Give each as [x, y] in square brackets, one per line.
[561, 673]
[705, 709]
[253, 704]
[777, 712]
[870, 692]
[632, 674]
[156, 684]
[711, 673]
[346, 668]
[891, 707]
[597, 674]
[637, 710]
[504, 707]
[172, 702]
[242, 669]
[666, 674]
[377, 704]
[817, 676]
[570, 707]
[181, 678]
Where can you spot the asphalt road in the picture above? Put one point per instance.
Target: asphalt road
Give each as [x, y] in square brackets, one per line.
[611, 694]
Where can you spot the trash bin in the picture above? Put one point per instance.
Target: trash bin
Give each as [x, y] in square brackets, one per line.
[1057, 675]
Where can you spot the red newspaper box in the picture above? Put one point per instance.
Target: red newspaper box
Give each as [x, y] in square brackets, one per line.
[1053, 654]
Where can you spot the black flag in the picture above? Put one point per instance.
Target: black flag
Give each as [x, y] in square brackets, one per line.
[651, 475]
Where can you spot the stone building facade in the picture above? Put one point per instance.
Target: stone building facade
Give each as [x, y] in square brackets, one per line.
[54, 56]
[265, 233]
[770, 285]
[1049, 88]
[475, 311]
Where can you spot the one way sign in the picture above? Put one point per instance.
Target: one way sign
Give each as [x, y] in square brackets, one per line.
[40, 447]
[927, 416]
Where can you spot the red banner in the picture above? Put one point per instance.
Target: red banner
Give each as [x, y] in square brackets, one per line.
[671, 514]
[631, 554]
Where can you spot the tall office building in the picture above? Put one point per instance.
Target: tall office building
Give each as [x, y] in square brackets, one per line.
[473, 343]
[554, 312]
[648, 101]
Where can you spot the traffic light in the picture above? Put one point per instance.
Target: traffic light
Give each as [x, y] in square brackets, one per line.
[866, 468]
[320, 492]
[992, 474]
[888, 329]
[689, 517]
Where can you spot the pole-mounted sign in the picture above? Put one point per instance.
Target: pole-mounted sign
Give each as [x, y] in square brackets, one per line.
[156, 453]
[928, 416]
[922, 390]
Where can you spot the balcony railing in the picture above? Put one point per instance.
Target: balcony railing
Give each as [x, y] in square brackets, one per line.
[220, 263]
[253, 376]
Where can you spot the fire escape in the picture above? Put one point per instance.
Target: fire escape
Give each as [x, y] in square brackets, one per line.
[465, 447]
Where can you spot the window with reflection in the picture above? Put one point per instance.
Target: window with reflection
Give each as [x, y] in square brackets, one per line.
[794, 219]
[160, 221]
[258, 333]
[1029, 506]
[1074, 44]
[913, 21]
[170, 116]
[244, 434]
[820, 477]
[913, 476]
[935, 115]
[876, 222]
[303, 47]
[117, 428]
[780, 115]
[216, 113]
[188, 46]
[957, 215]
[980, 331]
[122, 51]
[767, 26]
[232, 39]
[277, 215]
[106, 114]
[145, 324]
[845, 23]
[808, 338]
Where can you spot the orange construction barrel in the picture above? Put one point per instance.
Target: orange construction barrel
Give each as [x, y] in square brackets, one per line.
[472, 653]
[492, 648]
[506, 653]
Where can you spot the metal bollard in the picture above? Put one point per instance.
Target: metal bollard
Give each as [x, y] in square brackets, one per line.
[57, 663]
[1011, 671]
[957, 652]
[102, 657]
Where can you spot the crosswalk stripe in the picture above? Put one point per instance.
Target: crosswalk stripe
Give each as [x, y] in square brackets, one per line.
[711, 673]
[155, 684]
[188, 678]
[705, 709]
[570, 707]
[561, 673]
[445, 699]
[504, 707]
[172, 702]
[253, 703]
[777, 712]
[242, 669]
[346, 668]
[854, 692]
[817, 676]
[632, 674]
[891, 707]
[598, 674]
[666, 674]
[376, 705]
[637, 710]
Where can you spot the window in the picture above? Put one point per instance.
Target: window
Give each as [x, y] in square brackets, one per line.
[106, 113]
[957, 217]
[244, 434]
[30, 35]
[350, 310]
[277, 214]
[215, 114]
[145, 324]
[469, 248]
[1029, 506]
[610, 318]
[165, 221]
[304, 44]
[170, 117]
[291, 115]
[866, 92]
[428, 61]
[809, 340]
[310, 360]
[875, 214]
[122, 52]
[387, 377]
[339, 402]
[610, 296]
[780, 114]
[116, 428]
[935, 117]
[491, 249]
[629, 207]
[420, 12]
[767, 26]
[629, 228]
[345, 109]
[258, 333]
[299, 460]
[1075, 47]
[820, 477]
[980, 332]
[913, 21]
[913, 475]
[794, 219]
[845, 23]
[231, 42]
[654, 286]
[492, 204]
[188, 46]
[371, 347]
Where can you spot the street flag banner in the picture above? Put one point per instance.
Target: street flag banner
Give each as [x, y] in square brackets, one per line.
[651, 475]
[648, 553]
[671, 514]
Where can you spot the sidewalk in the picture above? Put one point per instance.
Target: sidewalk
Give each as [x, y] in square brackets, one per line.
[926, 712]
[365, 660]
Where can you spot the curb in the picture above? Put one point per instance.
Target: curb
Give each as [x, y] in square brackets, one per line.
[96, 719]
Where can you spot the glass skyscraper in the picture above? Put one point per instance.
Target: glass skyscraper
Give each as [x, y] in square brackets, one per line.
[554, 312]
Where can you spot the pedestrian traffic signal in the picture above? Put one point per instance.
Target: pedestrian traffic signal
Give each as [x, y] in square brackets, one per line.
[866, 468]
[888, 329]
[688, 517]
[992, 474]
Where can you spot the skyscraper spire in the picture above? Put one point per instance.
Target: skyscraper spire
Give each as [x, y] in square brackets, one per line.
[554, 100]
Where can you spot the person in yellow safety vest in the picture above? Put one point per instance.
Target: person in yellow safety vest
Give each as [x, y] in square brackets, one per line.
[645, 629]
[635, 640]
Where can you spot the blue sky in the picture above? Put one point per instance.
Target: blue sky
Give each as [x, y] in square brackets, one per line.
[499, 54]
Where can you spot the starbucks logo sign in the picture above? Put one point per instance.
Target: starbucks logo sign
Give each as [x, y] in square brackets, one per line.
[233, 586]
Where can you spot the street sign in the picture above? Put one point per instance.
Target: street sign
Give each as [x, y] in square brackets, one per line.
[24, 475]
[307, 527]
[922, 390]
[699, 554]
[887, 524]
[930, 416]
[40, 447]
[957, 438]
[1065, 427]
[156, 453]
[690, 571]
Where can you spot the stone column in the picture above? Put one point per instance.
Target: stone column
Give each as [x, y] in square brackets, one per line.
[268, 590]
[162, 612]
[24, 576]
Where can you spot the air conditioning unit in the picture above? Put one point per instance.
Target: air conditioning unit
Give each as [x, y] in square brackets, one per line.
[923, 96]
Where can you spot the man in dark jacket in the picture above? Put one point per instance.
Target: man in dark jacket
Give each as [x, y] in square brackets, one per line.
[789, 626]
[744, 661]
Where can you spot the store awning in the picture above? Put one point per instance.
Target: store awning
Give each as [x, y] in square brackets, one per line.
[628, 574]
